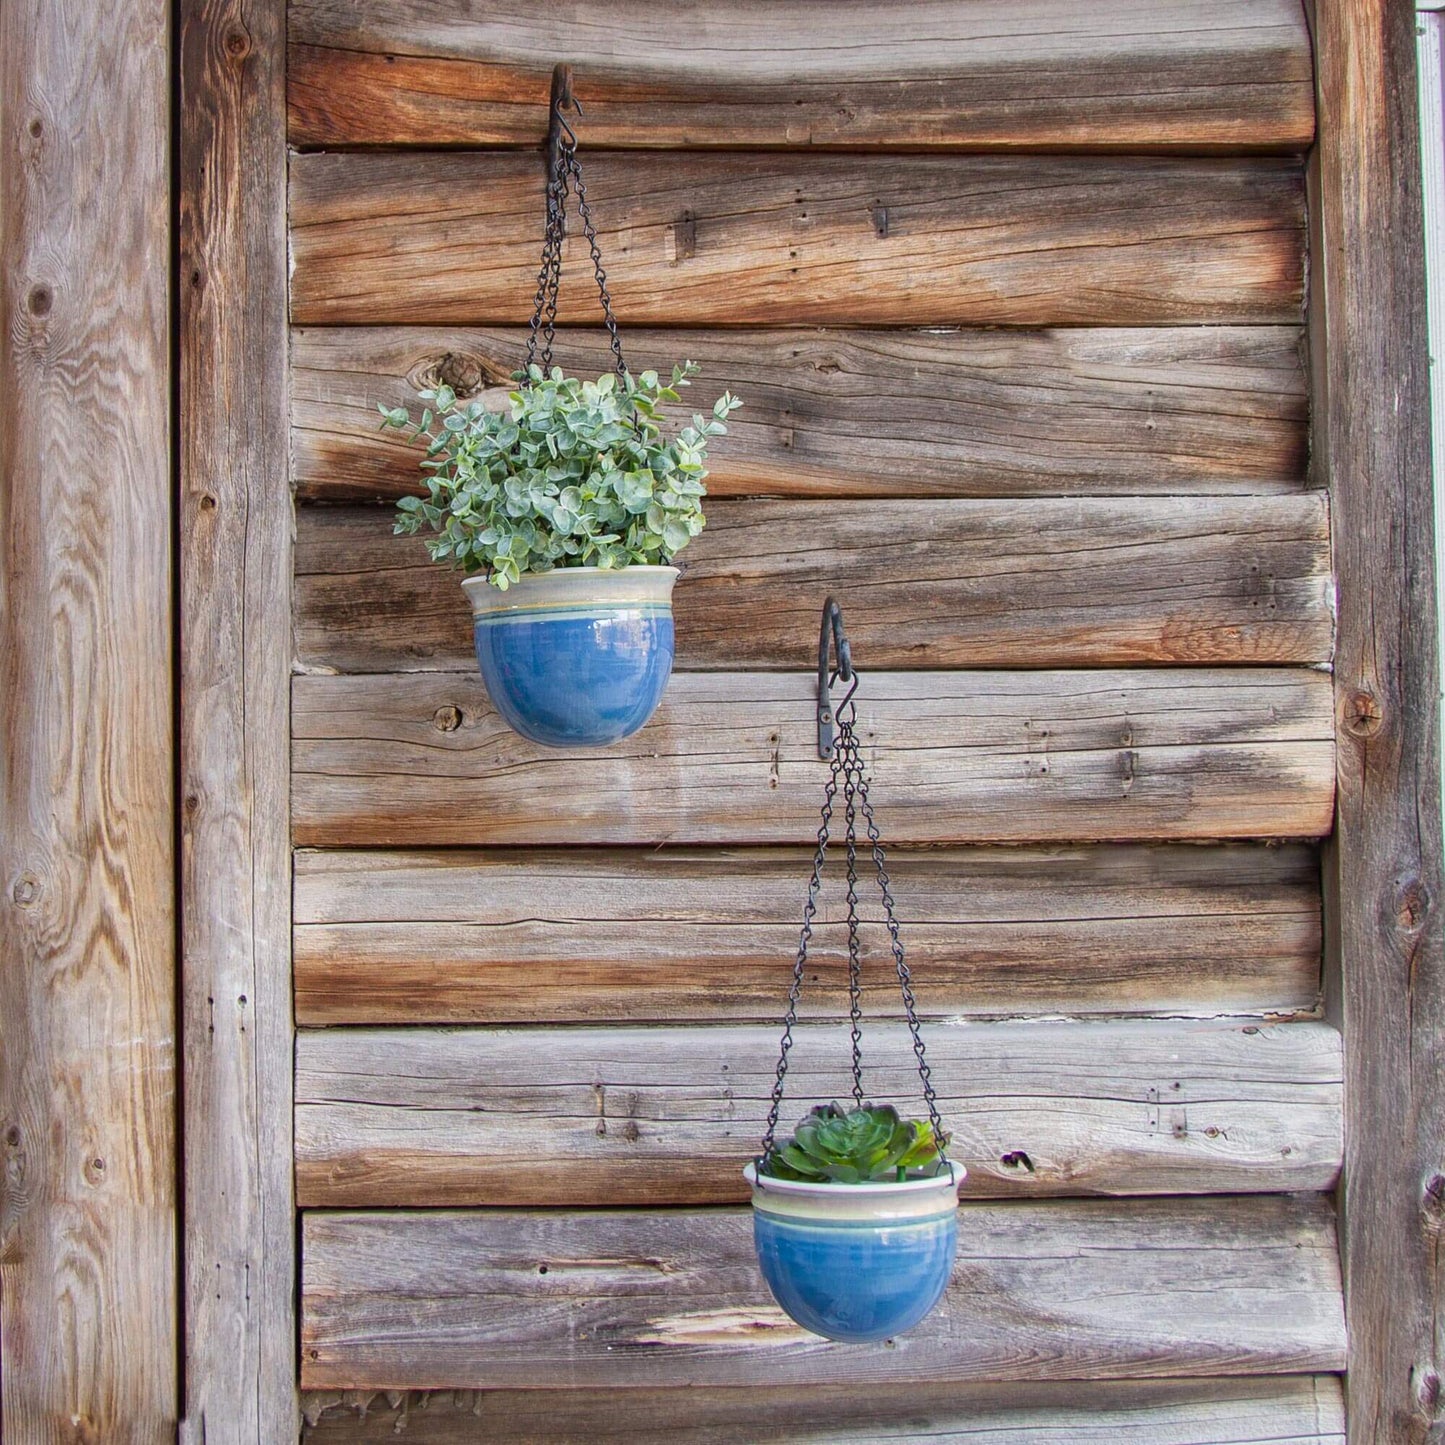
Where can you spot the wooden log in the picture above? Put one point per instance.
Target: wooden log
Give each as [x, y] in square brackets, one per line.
[413, 1118]
[421, 759]
[1062, 1289]
[507, 936]
[1168, 410]
[1039, 583]
[88, 1150]
[1288, 1410]
[234, 524]
[1386, 949]
[453, 239]
[1043, 75]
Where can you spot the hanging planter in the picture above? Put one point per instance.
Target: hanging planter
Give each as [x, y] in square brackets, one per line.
[567, 509]
[855, 1218]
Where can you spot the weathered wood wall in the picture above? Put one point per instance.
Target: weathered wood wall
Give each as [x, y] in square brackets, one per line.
[1089, 585]
[88, 1158]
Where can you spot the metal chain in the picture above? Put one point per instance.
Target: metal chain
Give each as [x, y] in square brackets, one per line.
[809, 909]
[847, 767]
[566, 177]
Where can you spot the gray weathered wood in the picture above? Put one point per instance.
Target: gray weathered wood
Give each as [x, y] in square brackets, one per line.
[506, 936]
[1037, 582]
[88, 1324]
[1303, 1410]
[1062, 1289]
[991, 75]
[452, 239]
[587, 1117]
[1385, 879]
[235, 574]
[865, 413]
[732, 758]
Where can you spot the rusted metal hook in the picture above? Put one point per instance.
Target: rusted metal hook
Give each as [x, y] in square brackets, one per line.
[832, 632]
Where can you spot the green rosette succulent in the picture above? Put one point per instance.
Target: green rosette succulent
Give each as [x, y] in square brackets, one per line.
[868, 1145]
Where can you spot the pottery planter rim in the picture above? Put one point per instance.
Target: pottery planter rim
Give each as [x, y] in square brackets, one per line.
[589, 580]
[874, 1189]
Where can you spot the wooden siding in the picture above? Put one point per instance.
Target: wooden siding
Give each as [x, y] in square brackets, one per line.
[1386, 944]
[1107, 410]
[234, 521]
[1288, 1410]
[1033, 583]
[1064, 1289]
[422, 759]
[89, 1206]
[996, 75]
[452, 239]
[588, 1117]
[588, 935]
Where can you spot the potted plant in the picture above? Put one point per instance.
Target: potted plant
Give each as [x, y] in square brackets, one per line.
[565, 509]
[855, 1221]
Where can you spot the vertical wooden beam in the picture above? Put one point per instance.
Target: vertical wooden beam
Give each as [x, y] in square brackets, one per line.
[87, 894]
[1386, 890]
[235, 566]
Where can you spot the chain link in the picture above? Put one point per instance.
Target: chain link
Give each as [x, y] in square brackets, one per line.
[847, 770]
[565, 178]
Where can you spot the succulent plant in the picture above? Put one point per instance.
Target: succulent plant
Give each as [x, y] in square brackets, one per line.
[868, 1145]
[570, 474]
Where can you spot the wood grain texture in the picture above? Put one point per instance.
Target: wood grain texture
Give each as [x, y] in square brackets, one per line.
[1289, 1410]
[588, 1117]
[1168, 410]
[1076, 1289]
[235, 653]
[1385, 877]
[88, 1325]
[1072, 582]
[421, 759]
[981, 75]
[575, 936]
[453, 239]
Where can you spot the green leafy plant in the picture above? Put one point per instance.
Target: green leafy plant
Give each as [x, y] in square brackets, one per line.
[571, 474]
[868, 1145]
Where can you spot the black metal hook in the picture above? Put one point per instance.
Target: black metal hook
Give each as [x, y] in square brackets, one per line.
[832, 632]
[559, 133]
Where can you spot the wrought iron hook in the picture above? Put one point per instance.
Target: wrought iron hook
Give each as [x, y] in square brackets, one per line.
[559, 133]
[832, 630]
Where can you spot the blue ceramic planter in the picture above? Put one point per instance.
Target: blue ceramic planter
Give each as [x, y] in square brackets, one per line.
[577, 657]
[856, 1262]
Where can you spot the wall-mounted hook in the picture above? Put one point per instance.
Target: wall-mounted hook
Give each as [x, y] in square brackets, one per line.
[832, 632]
[559, 133]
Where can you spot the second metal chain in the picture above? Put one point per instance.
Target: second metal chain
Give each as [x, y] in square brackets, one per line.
[847, 770]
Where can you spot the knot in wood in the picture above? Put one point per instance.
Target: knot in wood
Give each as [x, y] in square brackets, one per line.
[1364, 715]
[1432, 1200]
[237, 42]
[447, 719]
[26, 890]
[1412, 905]
[1427, 1390]
[465, 373]
[40, 300]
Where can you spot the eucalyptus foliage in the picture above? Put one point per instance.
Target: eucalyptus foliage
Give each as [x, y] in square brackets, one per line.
[868, 1145]
[571, 474]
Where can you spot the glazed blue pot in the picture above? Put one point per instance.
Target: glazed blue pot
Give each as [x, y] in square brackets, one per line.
[856, 1262]
[576, 657]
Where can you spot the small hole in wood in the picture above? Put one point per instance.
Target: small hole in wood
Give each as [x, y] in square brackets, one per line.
[1016, 1159]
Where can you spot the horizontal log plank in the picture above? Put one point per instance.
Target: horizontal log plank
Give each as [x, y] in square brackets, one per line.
[1058, 1289]
[588, 1117]
[996, 75]
[1027, 583]
[1286, 1410]
[759, 239]
[1192, 753]
[506, 936]
[864, 413]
